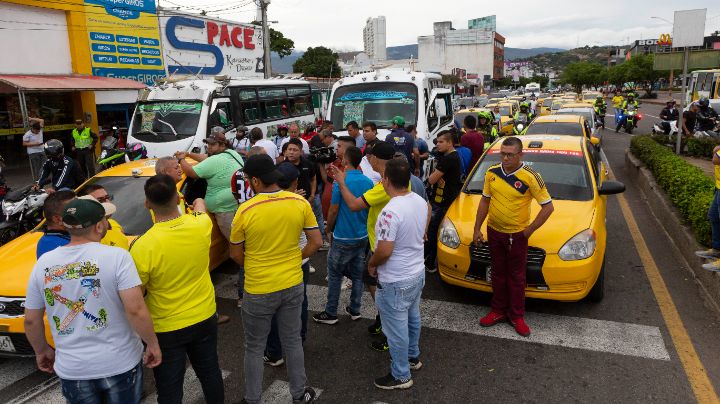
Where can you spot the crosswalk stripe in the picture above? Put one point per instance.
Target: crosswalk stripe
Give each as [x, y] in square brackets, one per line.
[571, 332]
[12, 370]
[192, 390]
[279, 393]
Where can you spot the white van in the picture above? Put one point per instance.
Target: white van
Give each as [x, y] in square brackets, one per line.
[177, 114]
[381, 95]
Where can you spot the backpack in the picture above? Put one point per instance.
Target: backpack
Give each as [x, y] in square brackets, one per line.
[465, 158]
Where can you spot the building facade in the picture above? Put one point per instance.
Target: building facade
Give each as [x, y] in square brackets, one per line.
[478, 51]
[374, 38]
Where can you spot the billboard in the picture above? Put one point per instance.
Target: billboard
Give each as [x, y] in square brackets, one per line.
[208, 46]
[689, 28]
[124, 39]
[488, 22]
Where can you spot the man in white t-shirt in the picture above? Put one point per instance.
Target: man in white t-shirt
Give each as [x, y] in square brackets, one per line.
[294, 132]
[33, 141]
[92, 296]
[398, 262]
[257, 139]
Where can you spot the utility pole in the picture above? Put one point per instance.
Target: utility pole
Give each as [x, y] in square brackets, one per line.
[266, 38]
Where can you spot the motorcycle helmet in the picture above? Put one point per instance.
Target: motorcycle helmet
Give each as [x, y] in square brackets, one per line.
[136, 151]
[524, 105]
[54, 148]
[703, 102]
[599, 98]
[486, 115]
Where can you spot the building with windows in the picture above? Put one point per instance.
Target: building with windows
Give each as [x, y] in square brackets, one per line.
[374, 38]
[478, 51]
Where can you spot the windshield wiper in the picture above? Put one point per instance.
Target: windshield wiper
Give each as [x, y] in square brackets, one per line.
[147, 131]
[171, 127]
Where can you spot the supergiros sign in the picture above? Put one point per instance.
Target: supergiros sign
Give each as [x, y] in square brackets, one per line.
[209, 47]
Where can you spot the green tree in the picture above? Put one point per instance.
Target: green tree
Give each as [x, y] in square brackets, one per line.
[503, 82]
[640, 70]
[278, 43]
[581, 74]
[318, 62]
[617, 75]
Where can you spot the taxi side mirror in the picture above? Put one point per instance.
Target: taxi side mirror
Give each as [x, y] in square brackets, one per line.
[594, 140]
[611, 188]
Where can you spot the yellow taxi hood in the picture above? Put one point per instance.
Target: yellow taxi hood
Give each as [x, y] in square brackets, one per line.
[18, 257]
[568, 219]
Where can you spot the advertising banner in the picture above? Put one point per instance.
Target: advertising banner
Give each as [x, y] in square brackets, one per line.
[209, 46]
[125, 39]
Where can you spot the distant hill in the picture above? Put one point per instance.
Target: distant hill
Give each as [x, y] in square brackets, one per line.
[519, 53]
[558, 60]
[284, 65]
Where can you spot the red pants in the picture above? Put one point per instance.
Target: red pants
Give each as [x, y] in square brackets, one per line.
[509, 262]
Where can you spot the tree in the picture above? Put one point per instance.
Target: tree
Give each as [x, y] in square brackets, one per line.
[278, 43]
[617, 75]
[318, 62]
[581, 74]
[640, 70]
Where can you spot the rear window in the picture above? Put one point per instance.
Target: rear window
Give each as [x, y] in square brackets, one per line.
[564, 172]
[555, 128]
[548, 102]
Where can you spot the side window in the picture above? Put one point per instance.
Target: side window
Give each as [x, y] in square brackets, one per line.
[273, 103]
[594, 160]
[222, 116]
[432, 118]
[300, 101]
[245, 102]
[588, 131]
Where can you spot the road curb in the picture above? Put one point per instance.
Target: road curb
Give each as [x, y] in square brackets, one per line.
[681, 236]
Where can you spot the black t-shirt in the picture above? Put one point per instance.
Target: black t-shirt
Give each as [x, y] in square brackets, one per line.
[369, 145]
[307, 173]
[316, 142]
[451, 168]
[690, 119]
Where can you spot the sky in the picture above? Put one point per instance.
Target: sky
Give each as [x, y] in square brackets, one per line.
[338, 24]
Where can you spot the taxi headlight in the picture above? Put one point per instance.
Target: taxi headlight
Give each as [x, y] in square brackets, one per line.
[581, 246]
[448, 235]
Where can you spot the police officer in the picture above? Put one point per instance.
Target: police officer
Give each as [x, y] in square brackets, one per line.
[84, 141]
[524, 116]
[630, 101]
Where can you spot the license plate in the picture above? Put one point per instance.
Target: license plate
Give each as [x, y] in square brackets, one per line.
[6, 344]
[488, 274]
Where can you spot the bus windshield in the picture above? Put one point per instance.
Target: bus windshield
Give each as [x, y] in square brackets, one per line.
[374, 102]
[166, 121]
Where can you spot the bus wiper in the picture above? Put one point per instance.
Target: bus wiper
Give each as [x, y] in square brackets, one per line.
[168, 124]
[147, 131]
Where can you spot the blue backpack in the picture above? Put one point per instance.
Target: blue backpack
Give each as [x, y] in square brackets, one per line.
[465, 158]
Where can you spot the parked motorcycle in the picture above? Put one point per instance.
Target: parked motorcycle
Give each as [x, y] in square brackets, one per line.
[22, 211]
[712, 133]
[111, 155]
[665, 127]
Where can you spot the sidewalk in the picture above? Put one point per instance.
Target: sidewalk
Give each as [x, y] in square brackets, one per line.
[703, 164]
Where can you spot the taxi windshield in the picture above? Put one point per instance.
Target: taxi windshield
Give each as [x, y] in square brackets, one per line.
[128, 196]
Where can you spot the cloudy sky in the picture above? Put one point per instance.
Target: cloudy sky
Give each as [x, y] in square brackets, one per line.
[525, 24]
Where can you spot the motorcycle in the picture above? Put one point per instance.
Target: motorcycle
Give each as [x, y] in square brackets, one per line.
[631, 118]
[600, 117]
[520, 126]
[665, 127]
[111, 155]
[22, 210]
[711, 133]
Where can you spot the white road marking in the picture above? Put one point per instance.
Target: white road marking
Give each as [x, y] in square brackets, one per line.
[192, 390]
[279, 393]
[656, 117]
[12, 370]
[571, 332]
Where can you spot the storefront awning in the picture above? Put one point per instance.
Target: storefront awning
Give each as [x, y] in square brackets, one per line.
[68, 83]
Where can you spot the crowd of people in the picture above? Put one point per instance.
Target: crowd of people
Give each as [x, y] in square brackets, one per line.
[277, 201]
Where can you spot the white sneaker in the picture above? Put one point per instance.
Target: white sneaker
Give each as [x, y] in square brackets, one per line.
[312, 269]
[713, 266]
[710, 254]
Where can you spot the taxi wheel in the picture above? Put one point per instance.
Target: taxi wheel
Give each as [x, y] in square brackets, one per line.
[7, 235]
[598, 290]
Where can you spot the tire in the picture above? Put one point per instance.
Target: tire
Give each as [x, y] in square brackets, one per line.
[628, 129]
[7, 234]
[598, 290]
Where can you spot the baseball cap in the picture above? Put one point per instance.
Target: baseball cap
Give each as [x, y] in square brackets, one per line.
[82, 213]
[109, 207]
[398, 120]
[382, 150]
[288, 172]
[263, 167]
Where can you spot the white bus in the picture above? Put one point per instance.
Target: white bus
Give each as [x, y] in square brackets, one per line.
[177, 114]
[532, 88]
[381, 95]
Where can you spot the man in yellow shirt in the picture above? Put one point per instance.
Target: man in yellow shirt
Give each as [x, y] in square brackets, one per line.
[173, 259]
[264, 239]
[115, 237]
[508, 192]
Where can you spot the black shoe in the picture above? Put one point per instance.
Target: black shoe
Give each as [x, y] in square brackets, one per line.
[353, 316]
[308, 396]
[415, 364]
[376, 327]
[390, 383]
[380, 346]
[325, 318]
[274, 362]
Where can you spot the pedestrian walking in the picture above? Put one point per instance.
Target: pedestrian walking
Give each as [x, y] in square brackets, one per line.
[173, 260]
[398, 263]
[84, 141]
[33, 142]
[508, 191]
[446, 183]
[348, 232]
[94, 304]
[273, 275]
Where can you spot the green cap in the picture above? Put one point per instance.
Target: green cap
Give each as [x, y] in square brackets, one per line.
[398, 120]
[82, 213]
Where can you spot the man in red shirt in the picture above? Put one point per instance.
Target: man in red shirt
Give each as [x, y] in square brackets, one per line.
[472, 139]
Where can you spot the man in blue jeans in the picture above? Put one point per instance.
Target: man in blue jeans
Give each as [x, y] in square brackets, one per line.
[714, 217]
[349, 240]
[399, 265]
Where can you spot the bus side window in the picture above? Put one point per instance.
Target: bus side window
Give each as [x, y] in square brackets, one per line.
[300, 101]
[246, 106]
[273, 103]
[222, 116]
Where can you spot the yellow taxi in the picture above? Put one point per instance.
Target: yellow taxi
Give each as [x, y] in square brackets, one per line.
[459, 116]
[125, 182]
[508, 109]
[566, 256]
[589, 96]
[562, 124]
[544, 106]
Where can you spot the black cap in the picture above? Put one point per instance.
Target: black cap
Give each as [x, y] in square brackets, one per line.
[263, 167]
[382, 150]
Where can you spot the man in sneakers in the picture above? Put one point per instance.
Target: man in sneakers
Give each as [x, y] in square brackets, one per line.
[714, 217]
[507, 194]
[349, 240]
[398, 263]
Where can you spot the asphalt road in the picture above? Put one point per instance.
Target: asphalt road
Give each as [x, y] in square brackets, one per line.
[623, 349]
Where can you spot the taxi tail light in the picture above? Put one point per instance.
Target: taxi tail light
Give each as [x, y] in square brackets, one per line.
[448, 234]
[579, 247]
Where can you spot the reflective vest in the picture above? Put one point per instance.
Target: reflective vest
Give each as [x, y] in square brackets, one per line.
[83, 140]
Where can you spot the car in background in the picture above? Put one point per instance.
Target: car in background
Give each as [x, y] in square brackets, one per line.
[544, 108]
[590, 96]
[563, 125]
[583, 110]
[507, 113]
[126, 183]
[566, 256]
[459, 116]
